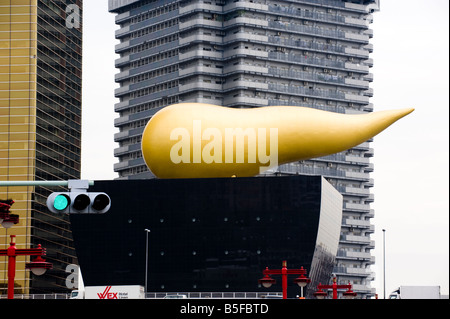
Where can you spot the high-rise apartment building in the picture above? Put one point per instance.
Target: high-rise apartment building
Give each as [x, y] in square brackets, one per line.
[40, 128]
[255, 53]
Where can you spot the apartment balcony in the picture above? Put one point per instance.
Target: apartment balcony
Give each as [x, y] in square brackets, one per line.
[122, 46]
[354, 255]
[359, 176]
[365, 208]
[357, 52]
[350, 271]
[245, 52]
[357, 160]
[368, 92]
[245, 68]
[368, 107]
[200, 22]
[246, 21]
[369, 47]
[359, 224]
[245, 36]
[122, 61]
[354, 239]
[200, 53]
[245, 84]
[357, 83]
[199, 6]
[369, 33]
[368, 62]
[128, 164]
[199, 69]
[357, 22]
[123, 90]
[245, 5]
[127, 149]
[357, 98]
[368, 77]
[357, 191]
[245, 100]
[199, 85]
[364, 289]
[356, 67]
[122, 31]
[122, 75]
[370, 198]
[127, 134]
[200, 37]
[369, 168]
[121, 151]
[121, 105]
[364, 38]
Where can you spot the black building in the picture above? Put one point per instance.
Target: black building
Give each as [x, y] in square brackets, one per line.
[210, 234]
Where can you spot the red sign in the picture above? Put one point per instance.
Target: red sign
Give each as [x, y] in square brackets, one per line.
[107, 295]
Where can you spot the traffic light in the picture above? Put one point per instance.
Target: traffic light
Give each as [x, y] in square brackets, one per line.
[78, 203]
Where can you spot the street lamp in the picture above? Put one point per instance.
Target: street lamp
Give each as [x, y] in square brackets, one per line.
[349, 293]
[9, 221]
[38, 266]
[146, 258]
[268, 281]
[6, 218]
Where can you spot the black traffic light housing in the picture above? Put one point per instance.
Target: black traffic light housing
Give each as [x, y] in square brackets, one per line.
[78, 203]
[78, 200]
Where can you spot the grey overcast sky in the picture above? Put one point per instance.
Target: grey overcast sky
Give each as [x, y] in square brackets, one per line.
[411, 69]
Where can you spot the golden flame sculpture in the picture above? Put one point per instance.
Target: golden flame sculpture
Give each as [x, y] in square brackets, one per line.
[195, 140]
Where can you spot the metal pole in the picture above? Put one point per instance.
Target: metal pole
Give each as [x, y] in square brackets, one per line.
[11, 266]
[38, 183]
[146, 259]
[284, 279]
[384, 263]
[335, 296]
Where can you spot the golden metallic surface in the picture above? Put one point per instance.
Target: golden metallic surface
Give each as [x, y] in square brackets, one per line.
[195, 140]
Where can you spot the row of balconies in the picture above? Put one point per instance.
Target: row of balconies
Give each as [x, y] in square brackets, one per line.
[253, 6]
[282, 73]
[317, 46]
[283, 43]
[278, 89]
[219, 54]
[197, 22]
[259, 7]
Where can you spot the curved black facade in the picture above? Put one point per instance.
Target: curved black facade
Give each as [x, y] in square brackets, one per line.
[209, 234]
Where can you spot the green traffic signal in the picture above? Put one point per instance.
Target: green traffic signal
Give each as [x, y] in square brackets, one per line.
[61, 202]
[78, 203]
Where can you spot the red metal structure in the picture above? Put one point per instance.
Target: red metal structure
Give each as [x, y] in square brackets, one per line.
[38, 266]
[320, 294]
[268, 281]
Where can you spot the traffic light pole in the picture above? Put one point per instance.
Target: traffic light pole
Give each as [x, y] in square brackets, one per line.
[77, 200]
[44, 183]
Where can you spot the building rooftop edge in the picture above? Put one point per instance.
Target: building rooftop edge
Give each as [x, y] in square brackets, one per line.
[114, 5]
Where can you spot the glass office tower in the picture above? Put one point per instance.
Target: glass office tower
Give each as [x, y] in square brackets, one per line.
[40, 128]
[255, 53]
